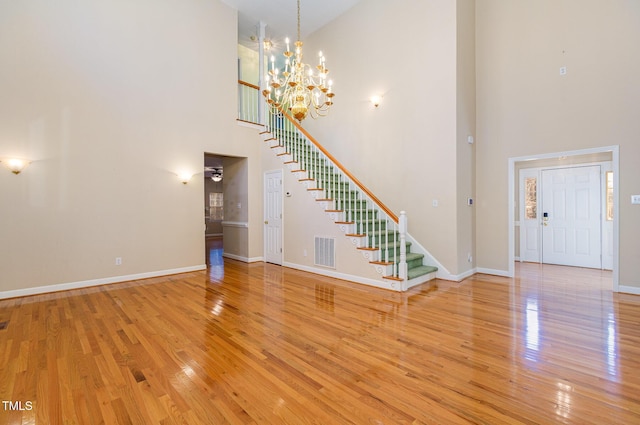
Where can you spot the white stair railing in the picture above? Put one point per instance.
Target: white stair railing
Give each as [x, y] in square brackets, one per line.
[380, 232]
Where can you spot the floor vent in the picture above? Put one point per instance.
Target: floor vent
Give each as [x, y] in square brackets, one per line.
[325, 252]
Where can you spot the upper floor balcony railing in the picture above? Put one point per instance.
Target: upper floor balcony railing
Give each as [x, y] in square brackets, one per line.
[248, 102]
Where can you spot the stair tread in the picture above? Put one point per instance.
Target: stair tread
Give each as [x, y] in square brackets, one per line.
[395, 244]
[411, 256]
[383, 231]
[393, 278]
[420, 271]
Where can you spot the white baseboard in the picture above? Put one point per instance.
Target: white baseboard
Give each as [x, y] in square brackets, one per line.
[494, 272]
[241, 258]
[392, 285]
[463, 276]
[95, 282]
[635, 290]
[240, 224]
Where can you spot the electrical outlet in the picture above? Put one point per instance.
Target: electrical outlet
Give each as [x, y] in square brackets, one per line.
[118, 261]
[469, 258]
[304, 252]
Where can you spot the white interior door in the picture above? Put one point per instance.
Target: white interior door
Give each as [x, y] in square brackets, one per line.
[571, 207]
[273, 217]
[529, 215]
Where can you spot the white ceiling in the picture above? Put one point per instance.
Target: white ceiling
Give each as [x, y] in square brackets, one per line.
[281, 17]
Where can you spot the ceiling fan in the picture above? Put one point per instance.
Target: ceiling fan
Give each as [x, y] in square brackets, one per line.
[213, 173]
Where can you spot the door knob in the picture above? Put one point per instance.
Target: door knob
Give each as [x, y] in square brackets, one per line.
[266, 222]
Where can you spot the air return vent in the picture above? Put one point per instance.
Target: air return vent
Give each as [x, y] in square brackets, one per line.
[325, 252]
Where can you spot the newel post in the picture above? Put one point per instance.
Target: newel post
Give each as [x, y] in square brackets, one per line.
[402, 225]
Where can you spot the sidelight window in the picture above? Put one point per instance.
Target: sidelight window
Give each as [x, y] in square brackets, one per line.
[530, 198]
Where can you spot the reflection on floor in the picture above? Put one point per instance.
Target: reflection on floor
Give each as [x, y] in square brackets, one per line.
[215, 263]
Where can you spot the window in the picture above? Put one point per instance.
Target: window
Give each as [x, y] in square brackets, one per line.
[530, 198]
[216, 203]
[609, 199]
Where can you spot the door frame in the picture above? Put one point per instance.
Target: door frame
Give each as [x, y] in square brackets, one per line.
[264, 212]
[615, 165]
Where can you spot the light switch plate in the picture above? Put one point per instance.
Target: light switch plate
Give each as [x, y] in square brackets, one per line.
[635, 199]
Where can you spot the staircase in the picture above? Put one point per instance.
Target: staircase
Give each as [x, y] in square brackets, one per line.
[375, 231]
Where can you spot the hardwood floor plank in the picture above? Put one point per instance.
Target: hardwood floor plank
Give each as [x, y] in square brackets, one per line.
[261, 344]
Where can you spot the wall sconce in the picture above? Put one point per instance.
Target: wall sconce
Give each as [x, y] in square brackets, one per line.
[16, 165]
[185, 177]
[376, 100]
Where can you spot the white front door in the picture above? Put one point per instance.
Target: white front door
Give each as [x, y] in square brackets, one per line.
[570, 216]
[273, 217]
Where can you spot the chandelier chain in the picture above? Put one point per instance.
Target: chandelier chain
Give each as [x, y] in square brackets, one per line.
[298, 20]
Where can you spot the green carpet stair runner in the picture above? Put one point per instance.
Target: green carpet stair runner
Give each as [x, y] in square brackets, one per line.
[331, 186]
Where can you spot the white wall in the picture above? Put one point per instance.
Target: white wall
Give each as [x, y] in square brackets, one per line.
[466, 126]
[110, 99]
[249, 65]
[406, 151]
[525, 107]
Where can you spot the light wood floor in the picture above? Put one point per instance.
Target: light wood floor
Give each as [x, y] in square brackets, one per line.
[262, 344]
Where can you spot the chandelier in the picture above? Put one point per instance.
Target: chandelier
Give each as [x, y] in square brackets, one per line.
[300, 88]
